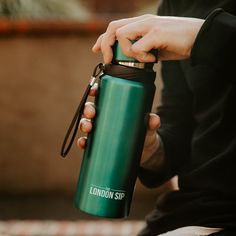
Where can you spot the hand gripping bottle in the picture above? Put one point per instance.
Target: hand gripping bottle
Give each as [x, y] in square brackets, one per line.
[111, 160]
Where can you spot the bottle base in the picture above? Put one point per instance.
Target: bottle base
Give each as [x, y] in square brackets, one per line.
[103, 214]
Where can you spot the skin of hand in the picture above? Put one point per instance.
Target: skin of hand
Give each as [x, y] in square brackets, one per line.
[151, 142]
[172, 36]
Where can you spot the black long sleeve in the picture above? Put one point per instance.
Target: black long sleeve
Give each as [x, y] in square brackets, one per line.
[215, 45]
[176, 125]
[199, 132]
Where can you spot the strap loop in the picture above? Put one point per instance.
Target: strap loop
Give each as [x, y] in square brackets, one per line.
[73, 128]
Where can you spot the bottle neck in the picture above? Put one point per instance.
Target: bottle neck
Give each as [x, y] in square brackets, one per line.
[139, 65]
[130, 73]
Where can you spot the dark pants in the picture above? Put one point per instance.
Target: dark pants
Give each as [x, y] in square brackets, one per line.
[226, 232]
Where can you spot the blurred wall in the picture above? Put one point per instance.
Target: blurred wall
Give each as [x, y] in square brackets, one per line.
[41, 82]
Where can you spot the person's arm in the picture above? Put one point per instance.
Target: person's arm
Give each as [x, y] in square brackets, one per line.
[172, 36]
[175, 38]
[174, 41]
[175, 130]
[213, 48]
[154, 169]
[215, 45]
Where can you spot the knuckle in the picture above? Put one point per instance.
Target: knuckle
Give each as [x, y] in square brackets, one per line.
[128, 52]
[119, 33]
[89, 110]
[101, 36]
[157, 30]
[84, 121]
[81, 142]
[112, 25]
[85, 125]
[136, 49]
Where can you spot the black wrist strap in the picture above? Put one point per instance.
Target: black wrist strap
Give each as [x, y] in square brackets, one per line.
[73, 128]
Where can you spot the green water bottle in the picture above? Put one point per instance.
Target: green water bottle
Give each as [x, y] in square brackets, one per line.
[111, 160]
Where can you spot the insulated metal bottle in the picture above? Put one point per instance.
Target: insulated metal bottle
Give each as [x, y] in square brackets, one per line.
[111, 160]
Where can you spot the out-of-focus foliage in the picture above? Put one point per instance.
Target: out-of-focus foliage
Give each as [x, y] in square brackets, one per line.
[75, 9]
[116, 7]
[43, 9]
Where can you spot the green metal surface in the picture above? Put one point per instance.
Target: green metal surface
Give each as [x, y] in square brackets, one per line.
[111, 159]
[119, 55]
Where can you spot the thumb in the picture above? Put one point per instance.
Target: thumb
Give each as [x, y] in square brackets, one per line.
[153, 124]
[142, 48]
[151, 142]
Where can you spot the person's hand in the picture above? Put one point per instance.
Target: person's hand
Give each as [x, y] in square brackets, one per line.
[172, 36]
[89, 113]
[151, 142]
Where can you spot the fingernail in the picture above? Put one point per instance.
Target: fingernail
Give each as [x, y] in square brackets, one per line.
[89, 112]
[83, 126]
[82, 142]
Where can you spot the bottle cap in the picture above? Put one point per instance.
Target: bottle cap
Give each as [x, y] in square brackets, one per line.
[119, 56]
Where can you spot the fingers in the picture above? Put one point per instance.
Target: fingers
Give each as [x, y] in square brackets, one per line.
[104, 44]
[117, 30]
[85, 124]
[110, 32]
[89, 110]
[138, 50]
[143, 46]
[172, 36]
[89, 113]
[97, 46]
[93, 90]
[125, 35]
[153, 124]
[81, 143]
[151, 142]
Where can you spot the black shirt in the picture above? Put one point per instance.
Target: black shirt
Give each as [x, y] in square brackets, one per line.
[198, 127]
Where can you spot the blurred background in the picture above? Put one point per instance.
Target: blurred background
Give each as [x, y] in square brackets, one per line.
[45, 64]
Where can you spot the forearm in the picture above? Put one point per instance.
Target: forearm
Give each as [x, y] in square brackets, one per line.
[153, 155]
[154, 168]
[214, 46]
